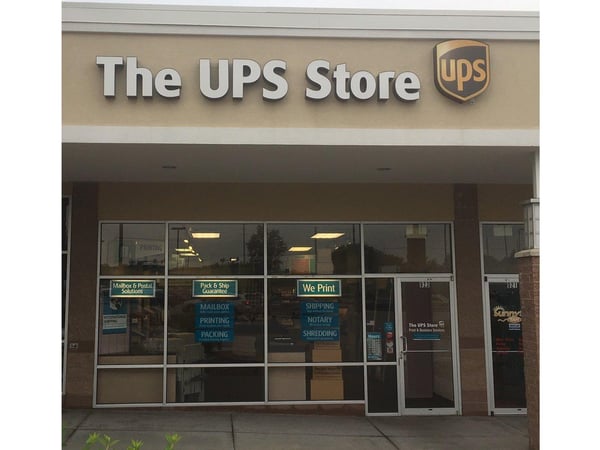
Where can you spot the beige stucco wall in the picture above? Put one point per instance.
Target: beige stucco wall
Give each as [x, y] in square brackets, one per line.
[302, 202]
[296, 202]
[502, 202]
[511, 100]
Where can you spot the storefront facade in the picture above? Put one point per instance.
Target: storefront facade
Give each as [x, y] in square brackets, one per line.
[260, 212]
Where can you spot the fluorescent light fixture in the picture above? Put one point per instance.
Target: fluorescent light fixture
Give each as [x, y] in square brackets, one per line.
[185, 241]
[326, 235]
[299, 249]
[188, 254]
[203, 235]
[182, 249]
[416, 231]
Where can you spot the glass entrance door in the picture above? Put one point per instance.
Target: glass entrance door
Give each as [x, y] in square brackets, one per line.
[504, 342]
[410, 346]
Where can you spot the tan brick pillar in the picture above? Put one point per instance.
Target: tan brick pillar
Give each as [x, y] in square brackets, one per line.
[529, 290]
[82, 296]
[469, 301]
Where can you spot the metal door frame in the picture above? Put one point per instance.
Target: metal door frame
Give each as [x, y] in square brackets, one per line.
[402, 410]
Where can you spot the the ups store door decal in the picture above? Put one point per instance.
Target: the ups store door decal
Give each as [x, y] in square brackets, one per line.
[462, 68]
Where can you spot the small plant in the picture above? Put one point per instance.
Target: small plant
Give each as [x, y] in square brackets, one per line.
[172, 439]
[105, 442]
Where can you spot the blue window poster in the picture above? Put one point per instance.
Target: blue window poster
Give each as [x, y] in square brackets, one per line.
[114, 316]
[320, 321]
[214, 322]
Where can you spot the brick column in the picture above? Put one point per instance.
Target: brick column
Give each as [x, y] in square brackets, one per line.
[469, 301]
[529, 290]
[82, 296]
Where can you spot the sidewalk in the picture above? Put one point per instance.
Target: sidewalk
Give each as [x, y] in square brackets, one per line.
[212, 430]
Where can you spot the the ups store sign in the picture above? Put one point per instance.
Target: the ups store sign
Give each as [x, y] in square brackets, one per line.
[462, 68]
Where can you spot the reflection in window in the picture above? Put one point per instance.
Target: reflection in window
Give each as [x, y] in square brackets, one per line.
[132, 249]
[206, 329]
[327, 330]
[216, 249]
[313, 249]
[217, 384]
[130, 328]
[413, 248]
[500, 243]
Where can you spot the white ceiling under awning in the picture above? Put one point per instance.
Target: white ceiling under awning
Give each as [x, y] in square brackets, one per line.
[227, 163]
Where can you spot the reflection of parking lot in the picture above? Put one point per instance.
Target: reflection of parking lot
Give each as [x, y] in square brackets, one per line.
[249, 306]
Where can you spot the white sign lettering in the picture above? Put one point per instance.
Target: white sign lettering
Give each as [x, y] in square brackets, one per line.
[232, 77]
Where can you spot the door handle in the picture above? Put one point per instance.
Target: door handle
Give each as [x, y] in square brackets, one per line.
[403, 353]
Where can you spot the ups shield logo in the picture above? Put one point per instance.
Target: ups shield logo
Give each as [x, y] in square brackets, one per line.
[462, 68]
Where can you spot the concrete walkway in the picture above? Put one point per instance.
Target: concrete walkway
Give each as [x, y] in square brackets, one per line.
[201, 429]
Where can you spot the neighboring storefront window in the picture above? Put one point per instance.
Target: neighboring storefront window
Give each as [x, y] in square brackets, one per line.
[408, 248]
[507, 346]
[504, 342]
[500, 242]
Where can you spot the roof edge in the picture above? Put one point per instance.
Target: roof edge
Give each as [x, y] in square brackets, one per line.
[268, 21]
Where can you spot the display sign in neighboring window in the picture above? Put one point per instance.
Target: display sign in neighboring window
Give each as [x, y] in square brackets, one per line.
[132, 288]
[214, 322]
[318, 288]
[320, 321]
[214, 288]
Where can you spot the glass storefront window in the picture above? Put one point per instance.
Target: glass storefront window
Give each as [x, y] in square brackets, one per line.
[65, 224]
[317, 249]
[217, 384]
[132, 249]
[408, 248]
[130, 327]
[316, 383]
[381, 319]
[217, 348]
[216, 249]
[314, 329]
[500, 242]
[206, 327]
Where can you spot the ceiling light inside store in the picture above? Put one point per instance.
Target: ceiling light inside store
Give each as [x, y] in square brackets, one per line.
[187, 249]
[188, 254]
[299, 249]
[326, 235]
[202, 235]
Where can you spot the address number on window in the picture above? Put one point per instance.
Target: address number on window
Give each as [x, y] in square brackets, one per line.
[512, 285]
[424, 284]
